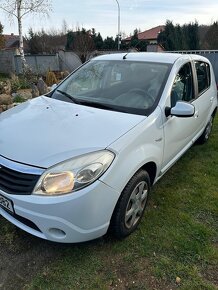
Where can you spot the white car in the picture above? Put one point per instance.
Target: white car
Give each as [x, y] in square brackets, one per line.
[82, 160]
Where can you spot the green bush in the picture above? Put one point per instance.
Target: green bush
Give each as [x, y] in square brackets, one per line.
[19, 83]
[19, 99]
[3, 77]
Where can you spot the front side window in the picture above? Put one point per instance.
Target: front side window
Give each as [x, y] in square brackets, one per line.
[126, 86]
[183, 89]
[203, 75]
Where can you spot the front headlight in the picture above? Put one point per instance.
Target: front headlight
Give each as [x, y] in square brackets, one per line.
[73, 174]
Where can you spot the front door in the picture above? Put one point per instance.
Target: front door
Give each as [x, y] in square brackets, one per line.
[179, 131]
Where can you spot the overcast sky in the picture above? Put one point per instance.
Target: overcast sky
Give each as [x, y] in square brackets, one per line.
[102, 15]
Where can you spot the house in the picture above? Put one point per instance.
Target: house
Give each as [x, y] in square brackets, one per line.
[12, 43]
[155, 47]
[149, 35]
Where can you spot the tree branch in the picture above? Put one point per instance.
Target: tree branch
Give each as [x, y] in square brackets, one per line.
[8, 11]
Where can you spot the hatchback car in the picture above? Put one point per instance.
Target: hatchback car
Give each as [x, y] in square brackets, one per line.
[82, 159]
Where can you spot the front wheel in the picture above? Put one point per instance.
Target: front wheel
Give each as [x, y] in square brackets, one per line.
[131, 205]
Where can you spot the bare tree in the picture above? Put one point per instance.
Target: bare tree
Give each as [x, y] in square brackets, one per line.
[2, 41]
[83, 46]
[64, 27]
[81, 42]
[46, 41]
[19, 9]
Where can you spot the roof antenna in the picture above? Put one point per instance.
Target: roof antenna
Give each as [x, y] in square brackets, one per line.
[124, 57]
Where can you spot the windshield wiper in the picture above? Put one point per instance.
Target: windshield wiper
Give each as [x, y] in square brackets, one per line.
[90, 103]
[69, 96]
[97, 105]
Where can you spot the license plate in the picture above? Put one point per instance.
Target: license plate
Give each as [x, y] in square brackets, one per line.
[6, 204]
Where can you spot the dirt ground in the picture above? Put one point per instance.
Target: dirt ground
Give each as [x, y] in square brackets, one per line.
[22, 257]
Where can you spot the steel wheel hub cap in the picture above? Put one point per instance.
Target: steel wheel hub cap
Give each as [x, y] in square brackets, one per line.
[208, 129]
[136, 204]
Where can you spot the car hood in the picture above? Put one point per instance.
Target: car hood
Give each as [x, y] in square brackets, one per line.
[44, 131]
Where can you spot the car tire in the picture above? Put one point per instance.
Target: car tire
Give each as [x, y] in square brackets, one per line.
[207, 131]
[131, 205]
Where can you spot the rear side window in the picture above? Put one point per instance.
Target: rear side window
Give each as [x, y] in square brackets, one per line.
[203, 75]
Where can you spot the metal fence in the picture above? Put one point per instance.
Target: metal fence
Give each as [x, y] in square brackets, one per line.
[6, 62]
[70, 61]
[40, 64]
[212, 55]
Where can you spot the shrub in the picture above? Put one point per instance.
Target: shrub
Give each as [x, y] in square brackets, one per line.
[3, 77]
[51, 78]
[18, 83]
[19, 99]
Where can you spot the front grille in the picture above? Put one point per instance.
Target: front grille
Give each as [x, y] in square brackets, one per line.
[15, 182]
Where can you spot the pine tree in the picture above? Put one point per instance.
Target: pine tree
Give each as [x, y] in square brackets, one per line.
[179, 37]
[191, 36]
[109, 43]
[167, 37]
[134, 39]
[211, 38]
[98, 40]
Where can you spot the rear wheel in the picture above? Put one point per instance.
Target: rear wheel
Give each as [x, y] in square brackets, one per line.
[131, 205]
[207, 131]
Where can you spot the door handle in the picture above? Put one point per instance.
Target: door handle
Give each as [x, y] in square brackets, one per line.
[196, 114]
[211, 99]
[159, 139]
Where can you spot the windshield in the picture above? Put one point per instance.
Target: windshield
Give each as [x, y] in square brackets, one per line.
[126, 86]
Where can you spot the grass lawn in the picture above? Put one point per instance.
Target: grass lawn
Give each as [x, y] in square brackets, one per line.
[175, 247]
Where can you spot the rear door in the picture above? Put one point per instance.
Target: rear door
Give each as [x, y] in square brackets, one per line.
[205, 96]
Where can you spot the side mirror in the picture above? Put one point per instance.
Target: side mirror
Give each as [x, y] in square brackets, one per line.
[181, 109]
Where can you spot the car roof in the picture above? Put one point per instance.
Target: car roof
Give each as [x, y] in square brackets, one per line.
[143, 56]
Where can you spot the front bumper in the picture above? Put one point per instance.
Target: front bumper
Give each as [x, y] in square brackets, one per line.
[76, 217]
